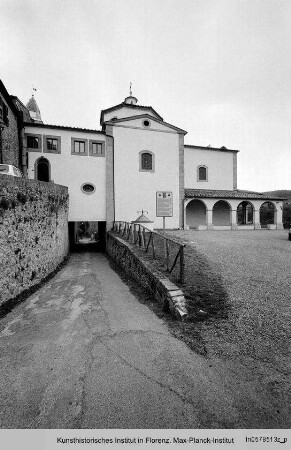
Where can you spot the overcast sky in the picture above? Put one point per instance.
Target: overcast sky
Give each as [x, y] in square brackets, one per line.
[219, 69]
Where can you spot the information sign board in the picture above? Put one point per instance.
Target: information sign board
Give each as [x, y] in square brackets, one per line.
[164, 204]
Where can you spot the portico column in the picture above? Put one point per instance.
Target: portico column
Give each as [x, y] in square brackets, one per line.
[257, 222]
[186, 227]
[279, 218]
[209, 219]
[234, 219]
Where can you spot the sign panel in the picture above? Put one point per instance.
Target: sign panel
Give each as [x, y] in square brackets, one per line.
[164, 204]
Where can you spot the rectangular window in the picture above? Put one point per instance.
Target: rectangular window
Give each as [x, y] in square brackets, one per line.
[79, 146]
[32, 142]
[96, 148]
[52, 144]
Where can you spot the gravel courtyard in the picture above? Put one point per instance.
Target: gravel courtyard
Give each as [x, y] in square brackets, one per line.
[253, 339]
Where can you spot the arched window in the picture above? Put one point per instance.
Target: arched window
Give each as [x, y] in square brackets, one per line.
[42, 169]
[202, 173]
[146, 161]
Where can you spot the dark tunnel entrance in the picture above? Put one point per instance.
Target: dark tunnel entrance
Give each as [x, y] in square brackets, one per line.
[87, 236]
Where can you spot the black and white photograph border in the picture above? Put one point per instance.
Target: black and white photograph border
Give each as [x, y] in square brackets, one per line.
[145, 223]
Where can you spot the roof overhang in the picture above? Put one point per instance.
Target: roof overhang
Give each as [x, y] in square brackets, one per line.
[236, 193]
[201, 147]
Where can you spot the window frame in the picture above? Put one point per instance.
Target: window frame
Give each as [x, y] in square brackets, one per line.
[202, 166]
[39, 137]
[98, 155]
[152, 170]
[45, 147]
[79, 139]
[91, 184]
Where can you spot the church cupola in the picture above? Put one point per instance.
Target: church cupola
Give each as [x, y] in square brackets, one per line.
[34, 110]
[131, 100]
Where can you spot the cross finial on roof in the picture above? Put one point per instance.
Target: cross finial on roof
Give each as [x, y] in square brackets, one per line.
[33, 90]
[130, 90]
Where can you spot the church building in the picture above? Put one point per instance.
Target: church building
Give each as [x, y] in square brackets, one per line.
[116, 172]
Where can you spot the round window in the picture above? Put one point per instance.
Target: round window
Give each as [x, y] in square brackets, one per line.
[88, 188]
[146, 123]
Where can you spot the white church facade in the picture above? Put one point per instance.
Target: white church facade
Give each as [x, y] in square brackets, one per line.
[115, 172]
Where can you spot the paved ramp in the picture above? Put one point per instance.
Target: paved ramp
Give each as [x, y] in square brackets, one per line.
[82, 352]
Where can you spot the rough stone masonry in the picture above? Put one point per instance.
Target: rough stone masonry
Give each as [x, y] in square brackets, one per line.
[33, 232]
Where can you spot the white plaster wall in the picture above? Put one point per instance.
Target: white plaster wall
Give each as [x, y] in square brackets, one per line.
[72, 171]
[126, 112]
[220, 168]
[135, 190]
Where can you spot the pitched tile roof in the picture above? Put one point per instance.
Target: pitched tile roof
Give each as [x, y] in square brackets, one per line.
[127, 105]
[61, 127]
[237, 193]
[201, 147]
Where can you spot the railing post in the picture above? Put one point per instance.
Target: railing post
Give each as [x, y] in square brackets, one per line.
[153, 246]
[182, 265]
[167, 254]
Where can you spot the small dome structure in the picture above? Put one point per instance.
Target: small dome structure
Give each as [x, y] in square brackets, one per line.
[130, 100]
[34, 110]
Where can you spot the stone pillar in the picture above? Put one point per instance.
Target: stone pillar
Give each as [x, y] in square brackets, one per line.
[181, 181]
[110, 200]
[257, 223]
[185, 203]
[279, 217]
[234, 219]
[209, 215]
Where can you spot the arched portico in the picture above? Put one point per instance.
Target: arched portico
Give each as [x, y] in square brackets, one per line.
[195, 214]
[245, 213]
[267, 214]
[221, 216]
[230, 213]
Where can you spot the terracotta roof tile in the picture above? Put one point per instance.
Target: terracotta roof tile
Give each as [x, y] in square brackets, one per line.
[237, 193]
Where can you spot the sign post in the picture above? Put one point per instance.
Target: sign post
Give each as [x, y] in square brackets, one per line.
[164, 208]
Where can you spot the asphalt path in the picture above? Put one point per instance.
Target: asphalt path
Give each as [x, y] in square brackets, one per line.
[83, 352]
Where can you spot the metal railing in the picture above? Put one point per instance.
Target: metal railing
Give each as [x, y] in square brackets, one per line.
[160, 247]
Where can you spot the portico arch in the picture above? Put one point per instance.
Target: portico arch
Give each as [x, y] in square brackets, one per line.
[221, 213]
[267, 214]
[195, 214]
[245, 213]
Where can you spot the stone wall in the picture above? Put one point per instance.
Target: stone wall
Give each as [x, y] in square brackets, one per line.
[10, 140]
[33, 232]
[130, 259]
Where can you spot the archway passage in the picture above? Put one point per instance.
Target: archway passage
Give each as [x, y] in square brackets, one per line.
[195, 214]
[267, 214]
[245, 213]
[87, 236]
[42, 169]
[221, 213]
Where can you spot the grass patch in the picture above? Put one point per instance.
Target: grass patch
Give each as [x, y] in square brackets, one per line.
[205, 295]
